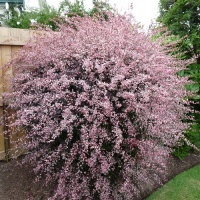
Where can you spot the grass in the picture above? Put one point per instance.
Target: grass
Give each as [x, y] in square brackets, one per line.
[185, 186]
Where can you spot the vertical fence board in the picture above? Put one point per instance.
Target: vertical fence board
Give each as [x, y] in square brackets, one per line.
[7, 72]
[2, 145]
[1, 78]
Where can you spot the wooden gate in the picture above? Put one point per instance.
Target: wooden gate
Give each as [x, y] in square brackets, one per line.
[11, 40]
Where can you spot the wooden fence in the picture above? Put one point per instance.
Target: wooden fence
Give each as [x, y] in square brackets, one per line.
[11, 40]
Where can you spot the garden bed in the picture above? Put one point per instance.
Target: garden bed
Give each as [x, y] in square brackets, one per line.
[18, 182]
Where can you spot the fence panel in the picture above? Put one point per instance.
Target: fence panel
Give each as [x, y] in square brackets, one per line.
[11, 40]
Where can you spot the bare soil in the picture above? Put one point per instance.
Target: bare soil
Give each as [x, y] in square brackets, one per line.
[18, 183]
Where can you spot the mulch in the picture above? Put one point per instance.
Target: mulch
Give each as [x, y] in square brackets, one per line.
[175, 166]
[18, 183]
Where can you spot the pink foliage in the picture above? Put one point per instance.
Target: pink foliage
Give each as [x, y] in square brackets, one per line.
[102, 107]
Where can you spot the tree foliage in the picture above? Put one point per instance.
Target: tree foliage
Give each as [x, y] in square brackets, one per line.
[50, 17]
[165, 5]
[102, 106]
[78, 8]
[27, 19]
[182, 17]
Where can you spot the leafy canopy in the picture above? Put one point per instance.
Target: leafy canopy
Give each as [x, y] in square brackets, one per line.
[49, 16]
[182, 17]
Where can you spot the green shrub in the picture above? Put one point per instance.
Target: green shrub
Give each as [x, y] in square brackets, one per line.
[193, 135]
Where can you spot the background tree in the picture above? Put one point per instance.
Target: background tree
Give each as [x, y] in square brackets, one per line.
[182, 18]
[165, 5]
[71, 9]
[49, 16]
[42, 16]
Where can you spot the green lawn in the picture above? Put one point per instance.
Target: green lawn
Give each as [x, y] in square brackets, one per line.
[185, 186]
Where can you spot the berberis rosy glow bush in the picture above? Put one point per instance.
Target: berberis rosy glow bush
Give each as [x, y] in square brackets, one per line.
[102, 107]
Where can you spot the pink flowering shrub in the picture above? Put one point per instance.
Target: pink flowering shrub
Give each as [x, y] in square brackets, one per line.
[102, 107]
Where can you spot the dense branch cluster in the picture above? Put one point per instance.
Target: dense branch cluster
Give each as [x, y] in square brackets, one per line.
[101, 105]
